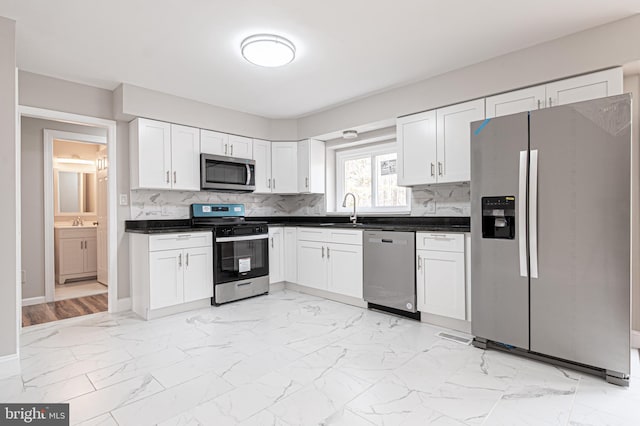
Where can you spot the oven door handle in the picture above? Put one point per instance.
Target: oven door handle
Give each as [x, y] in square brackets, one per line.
[242, 238]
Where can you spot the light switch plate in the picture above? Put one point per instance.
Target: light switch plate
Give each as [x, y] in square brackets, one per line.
[124, 200]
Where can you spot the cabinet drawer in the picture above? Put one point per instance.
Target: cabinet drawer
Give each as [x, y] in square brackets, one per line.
[180, 240]
[440, 241]
[75, 232]
[313, 234]
[344, 236]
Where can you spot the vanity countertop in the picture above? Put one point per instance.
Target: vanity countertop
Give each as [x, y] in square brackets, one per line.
[68, 226]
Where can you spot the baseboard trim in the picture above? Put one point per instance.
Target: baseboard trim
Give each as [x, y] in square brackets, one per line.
[33, 301]
[276, 287]
[635, 339]
[123, 305]
[9, 366]
[326, 295]
[451, 323]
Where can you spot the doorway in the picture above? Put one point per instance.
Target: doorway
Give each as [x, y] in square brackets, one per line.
[69, 223]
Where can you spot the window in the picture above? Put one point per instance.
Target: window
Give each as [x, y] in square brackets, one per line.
[370, 173]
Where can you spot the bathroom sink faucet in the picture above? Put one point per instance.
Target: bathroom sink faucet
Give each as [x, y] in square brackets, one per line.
[354, 217]
[77, 221]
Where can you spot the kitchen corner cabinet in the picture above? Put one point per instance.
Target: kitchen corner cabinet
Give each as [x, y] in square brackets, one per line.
[170, 269]
[441, 274]
[284, 167]
[311, 166]
[76, 253]
[330, 260]
[276, 254]
[262, 157]
[576, 89]
[217, 143]
[164, 156]
[434, 145]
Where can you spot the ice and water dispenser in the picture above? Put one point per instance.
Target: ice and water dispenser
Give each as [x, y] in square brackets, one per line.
[499, 217]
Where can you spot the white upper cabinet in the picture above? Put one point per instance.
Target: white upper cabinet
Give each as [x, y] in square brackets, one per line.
[585, 87]
[417, 159]
[517, 101]
[215, 143]
[284, 167]
[453, 139]
[311, 166]
[240, 147]
[576, 89]
[262, 157]
[150, 154]
[164, 156]
[185, 158]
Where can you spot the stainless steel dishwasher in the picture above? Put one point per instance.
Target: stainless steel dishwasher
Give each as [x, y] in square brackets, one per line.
[389, 271]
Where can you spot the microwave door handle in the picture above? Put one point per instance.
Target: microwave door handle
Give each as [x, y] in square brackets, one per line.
[248, 174]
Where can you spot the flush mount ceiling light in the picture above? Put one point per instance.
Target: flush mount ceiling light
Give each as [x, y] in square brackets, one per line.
[350, 134]
[268, 50]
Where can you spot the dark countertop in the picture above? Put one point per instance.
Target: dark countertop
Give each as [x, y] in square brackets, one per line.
[391, 223]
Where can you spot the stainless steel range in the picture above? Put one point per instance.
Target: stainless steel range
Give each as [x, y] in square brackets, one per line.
[240, 251]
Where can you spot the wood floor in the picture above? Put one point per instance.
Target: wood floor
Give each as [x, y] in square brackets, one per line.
[62, 309]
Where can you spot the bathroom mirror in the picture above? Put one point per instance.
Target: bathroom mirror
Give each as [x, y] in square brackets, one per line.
[75, 192]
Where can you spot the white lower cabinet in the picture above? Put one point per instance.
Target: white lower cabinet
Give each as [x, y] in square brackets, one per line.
[325, 263]
[170, 269]
[276, 255]
[345, 269]
[76, 253]
[441, 274]
[290, 255]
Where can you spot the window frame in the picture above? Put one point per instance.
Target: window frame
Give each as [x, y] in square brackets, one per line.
[370, 151]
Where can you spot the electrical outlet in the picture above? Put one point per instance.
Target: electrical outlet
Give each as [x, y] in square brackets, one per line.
[124, 200]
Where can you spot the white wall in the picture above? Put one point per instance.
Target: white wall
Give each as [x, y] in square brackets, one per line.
[8, 189]
[32, 190]
[597, 48]
[132, 101]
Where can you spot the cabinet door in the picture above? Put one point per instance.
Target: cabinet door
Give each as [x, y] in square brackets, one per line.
[166, 286]
[198, 273]
[284, 167]
[454, 135]
[312, 265]
[276, 255]
[345, 269]
[71, 256]
[585, 87]
[441, 283]
[154, 154]
[215, 143]
[311, 166]
[91, 255]
[240, 147]
[290, 255]
[185, 158]
[262, 157]
[417, 149]
[517, 101]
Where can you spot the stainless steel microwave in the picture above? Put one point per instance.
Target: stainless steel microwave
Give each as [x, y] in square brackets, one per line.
[227, 173]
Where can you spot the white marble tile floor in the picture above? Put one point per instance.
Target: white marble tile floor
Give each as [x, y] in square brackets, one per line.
[291, 359]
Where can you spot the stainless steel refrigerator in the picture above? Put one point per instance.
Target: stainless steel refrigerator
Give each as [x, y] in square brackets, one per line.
[550, 234]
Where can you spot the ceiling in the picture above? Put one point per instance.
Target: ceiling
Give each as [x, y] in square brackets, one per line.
[347, 49]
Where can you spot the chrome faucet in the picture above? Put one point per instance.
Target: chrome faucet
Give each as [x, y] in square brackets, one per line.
[77, 221]
[354, 217]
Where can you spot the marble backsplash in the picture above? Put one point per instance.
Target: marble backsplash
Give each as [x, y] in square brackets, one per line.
[432, 200]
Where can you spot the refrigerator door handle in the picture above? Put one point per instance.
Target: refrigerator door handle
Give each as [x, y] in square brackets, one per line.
[522, 213]
[533, 212]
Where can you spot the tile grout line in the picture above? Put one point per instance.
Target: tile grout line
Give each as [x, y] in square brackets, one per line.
[573, 402]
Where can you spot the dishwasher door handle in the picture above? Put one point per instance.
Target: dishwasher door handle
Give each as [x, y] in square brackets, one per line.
[387, 241]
